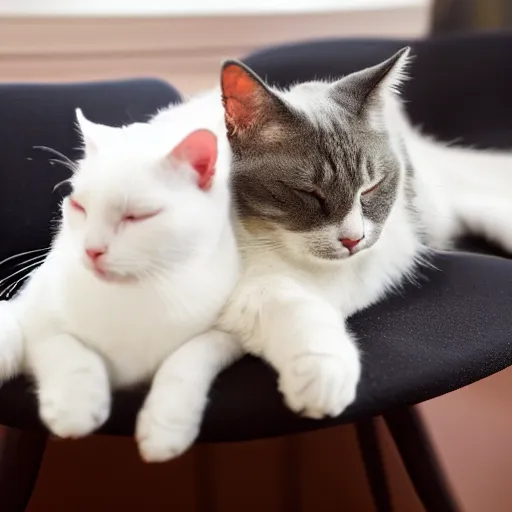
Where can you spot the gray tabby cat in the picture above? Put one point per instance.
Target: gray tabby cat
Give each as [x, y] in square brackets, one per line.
[331, 216]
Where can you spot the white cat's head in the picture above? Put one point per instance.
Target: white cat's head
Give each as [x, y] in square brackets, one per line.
[144, 199]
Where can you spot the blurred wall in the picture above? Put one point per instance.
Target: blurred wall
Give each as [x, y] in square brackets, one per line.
[185, 50]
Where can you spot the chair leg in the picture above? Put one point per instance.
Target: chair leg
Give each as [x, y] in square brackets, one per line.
[417, 453]
[369, 445]
[20, 458]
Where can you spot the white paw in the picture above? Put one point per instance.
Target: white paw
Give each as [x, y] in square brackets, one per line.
[75, 407]
[168, 424]
[319, 385]
[11, 342]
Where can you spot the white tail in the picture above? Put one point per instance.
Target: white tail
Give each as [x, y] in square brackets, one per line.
[462, 190]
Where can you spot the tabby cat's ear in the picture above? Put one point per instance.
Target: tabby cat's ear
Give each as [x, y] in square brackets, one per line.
[250, 106]
[365, 92]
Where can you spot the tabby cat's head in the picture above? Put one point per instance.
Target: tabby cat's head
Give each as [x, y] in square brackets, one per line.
[315, 167]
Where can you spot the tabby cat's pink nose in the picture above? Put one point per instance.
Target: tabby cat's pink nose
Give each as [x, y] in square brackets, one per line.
[348, 243]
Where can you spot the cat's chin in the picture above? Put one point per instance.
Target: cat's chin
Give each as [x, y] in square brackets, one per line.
[111, 277]
[313, 260]
[337, 257]
[344, 254]
[332, 256]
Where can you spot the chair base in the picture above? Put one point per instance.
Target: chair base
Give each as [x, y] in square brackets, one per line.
[21, 454]
[371, 453]
[418, 456]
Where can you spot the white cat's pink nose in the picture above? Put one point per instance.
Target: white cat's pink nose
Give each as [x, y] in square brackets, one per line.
[94, 253]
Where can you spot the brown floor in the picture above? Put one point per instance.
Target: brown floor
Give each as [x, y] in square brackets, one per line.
[318, 472]
[472, 429]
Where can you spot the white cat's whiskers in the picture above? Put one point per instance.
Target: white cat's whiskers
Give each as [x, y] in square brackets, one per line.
[63, 182]
[7, 292]
[37, 260]
[71, 166]
[31, 264]
[24, 269]
[62, 160]
[26, 253]
[67, 160]
[39, 257]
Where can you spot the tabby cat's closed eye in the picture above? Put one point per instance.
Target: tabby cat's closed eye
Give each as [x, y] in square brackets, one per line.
[374, 187]
[312, 193]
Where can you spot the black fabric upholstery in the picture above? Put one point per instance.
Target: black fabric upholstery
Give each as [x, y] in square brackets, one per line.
[451, 329]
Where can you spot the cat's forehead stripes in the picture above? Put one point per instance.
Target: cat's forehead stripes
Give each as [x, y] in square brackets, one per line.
[342, 139]
[312, 100]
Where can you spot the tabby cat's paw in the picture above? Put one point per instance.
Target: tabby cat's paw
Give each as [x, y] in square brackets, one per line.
[320, 385]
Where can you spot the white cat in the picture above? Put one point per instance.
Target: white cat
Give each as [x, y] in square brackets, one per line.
[144, 260]
[337, 198]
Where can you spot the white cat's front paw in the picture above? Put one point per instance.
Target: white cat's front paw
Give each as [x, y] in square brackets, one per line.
[165, 432]
[11, 342]
[319, 385]
[76, 407]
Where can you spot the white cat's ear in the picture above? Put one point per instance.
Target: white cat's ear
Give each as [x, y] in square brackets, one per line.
[199, 150]
[87, 130]
[364, 92]
[93, 134]
[251, 108]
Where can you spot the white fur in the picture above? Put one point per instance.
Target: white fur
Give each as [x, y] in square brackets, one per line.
[461, 190]
[168, 278]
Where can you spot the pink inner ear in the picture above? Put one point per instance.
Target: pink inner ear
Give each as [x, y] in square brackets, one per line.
[199, 149]
[240, 96]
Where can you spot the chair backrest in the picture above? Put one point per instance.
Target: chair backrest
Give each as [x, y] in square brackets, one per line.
[459, 89]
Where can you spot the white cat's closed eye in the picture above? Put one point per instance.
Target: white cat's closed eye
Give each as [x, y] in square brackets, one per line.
[128, 217]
